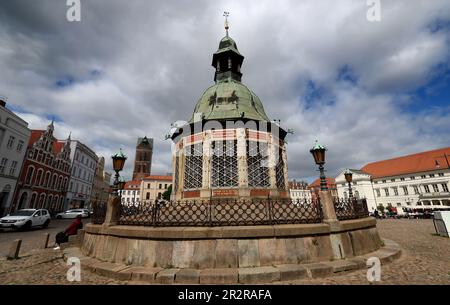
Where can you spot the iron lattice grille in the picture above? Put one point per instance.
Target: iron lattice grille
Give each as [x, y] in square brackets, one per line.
[193, 169]
[98, 212]
[224, 167]
[350, 208]
[257, 164]
[279, 171]
[220, 213]
[177, 172]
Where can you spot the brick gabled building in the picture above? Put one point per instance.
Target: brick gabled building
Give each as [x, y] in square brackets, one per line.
[45, 173]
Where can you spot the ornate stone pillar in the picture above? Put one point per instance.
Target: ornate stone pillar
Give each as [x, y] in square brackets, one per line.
[112, 212]
[242, 157]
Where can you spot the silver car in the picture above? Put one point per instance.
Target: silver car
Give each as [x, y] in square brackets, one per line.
[73, 213]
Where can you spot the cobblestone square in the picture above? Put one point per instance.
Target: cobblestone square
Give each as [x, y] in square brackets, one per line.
[425, 260]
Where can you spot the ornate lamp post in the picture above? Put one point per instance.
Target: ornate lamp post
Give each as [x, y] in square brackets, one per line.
[118, 164]
[318, 152]
[349, 177]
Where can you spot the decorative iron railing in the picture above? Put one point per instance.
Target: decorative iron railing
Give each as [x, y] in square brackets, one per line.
[220, 213]
[350, 208]
[98, 212]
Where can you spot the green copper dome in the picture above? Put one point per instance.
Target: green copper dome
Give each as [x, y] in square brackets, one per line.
[229, 99]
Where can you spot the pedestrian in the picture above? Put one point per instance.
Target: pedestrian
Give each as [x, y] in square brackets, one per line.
[376, 214]
[63, 237]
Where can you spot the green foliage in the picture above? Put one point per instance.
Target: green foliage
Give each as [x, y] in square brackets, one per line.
[167, 193]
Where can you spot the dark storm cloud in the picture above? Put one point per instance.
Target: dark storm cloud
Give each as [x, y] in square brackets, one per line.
[132, 68]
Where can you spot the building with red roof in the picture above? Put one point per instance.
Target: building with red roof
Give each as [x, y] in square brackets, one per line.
[45, 173]
[418, 181]
[154, 186]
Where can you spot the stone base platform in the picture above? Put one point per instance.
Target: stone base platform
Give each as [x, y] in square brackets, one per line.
[229, 255]
[250, 275]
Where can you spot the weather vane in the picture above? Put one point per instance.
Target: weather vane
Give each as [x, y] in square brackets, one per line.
[226, 15]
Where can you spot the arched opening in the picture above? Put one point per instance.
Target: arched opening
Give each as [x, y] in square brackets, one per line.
[23, 200]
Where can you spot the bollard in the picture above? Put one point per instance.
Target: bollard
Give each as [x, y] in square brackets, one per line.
[15, 249]
[46, 239]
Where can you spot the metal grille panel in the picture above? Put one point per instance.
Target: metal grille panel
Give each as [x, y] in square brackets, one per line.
[279, 171]
[350, 208]
[257, 164]
[224, 171]
[193, 169]
[220, 213]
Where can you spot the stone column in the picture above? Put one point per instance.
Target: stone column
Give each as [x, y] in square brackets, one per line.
[206, 170]
[242, 157]
[326, 201]
[329, 217]
[272, 162]
[112, 212]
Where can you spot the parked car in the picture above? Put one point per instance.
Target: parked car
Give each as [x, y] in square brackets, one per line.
[73, 213]
[26, 219]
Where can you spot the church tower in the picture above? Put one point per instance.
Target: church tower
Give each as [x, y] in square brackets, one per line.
[143, 159]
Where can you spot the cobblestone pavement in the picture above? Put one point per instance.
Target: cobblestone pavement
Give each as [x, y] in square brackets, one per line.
[34, 238]
[425, 260]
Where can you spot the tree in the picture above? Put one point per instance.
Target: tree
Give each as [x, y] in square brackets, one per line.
[167, 193]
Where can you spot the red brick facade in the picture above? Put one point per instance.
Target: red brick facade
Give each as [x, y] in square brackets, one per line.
[45, 173]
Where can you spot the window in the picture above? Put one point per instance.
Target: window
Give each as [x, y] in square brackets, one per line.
[148, 185]
[412, 178]
[378, 192]
[416, 190]
[39, 175]
[431, 175]
[376, 182]
[30, 173]
[147, 196]
[392, 180]
[405, 190]
[395, 191]
[427, 188]
[423, 176]
[165, 186]
[10, 142]
[435, 188]
[355, 183]
[399, 204]
[160, 186]
[441, 174]
[384, 181]
[386, 191]
[20, 145]
[3, 165]
[402, 179]
[444, 187]
[12, 170]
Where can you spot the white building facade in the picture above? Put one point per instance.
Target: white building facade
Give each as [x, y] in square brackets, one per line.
[14, 136]
[414, 182]
[84, 164]
[299, 190]
[131, 192]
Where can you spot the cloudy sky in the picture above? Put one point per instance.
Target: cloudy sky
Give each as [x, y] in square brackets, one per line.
[367, 90]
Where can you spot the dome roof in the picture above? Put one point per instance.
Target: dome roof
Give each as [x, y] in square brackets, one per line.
[229, 99]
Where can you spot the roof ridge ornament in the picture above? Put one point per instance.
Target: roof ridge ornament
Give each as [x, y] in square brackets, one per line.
[227, 26]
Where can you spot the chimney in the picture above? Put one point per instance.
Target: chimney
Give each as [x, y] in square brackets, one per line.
[2, 101]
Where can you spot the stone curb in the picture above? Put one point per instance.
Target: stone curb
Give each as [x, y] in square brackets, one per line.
[251, 275]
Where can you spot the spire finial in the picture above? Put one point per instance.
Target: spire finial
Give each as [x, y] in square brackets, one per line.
[227, 26]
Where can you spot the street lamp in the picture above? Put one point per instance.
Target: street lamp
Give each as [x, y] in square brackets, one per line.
[349, 177]
[118, 164]
[318, 152]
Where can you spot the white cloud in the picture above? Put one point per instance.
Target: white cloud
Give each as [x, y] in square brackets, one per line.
[153, 61]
